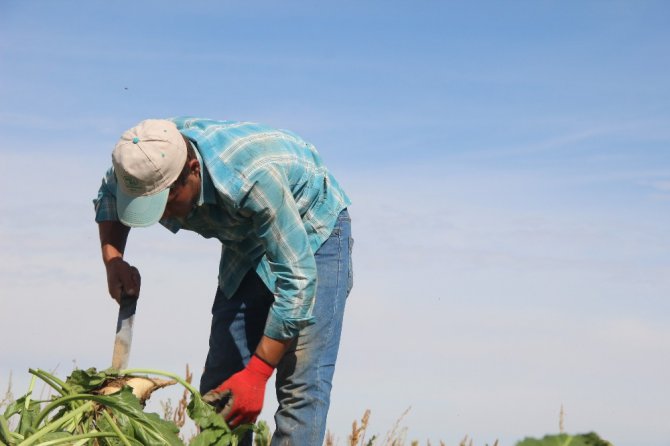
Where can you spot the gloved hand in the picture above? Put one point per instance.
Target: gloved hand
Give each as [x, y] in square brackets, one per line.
[246, 390]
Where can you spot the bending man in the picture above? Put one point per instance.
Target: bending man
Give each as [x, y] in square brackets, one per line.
[285, 268]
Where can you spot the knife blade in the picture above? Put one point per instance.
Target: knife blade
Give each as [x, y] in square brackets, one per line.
[124, 331]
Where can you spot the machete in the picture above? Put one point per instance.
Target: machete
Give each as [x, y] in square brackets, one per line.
[124, 331]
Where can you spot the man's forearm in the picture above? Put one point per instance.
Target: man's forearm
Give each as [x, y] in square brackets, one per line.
[272, 350]
[113, 237]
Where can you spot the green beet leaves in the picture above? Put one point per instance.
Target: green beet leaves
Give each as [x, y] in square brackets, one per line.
[80, 411]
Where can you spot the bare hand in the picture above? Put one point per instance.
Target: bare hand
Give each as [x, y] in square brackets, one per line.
[122, 277]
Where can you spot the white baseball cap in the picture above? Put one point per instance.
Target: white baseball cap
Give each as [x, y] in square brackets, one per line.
[147, 160]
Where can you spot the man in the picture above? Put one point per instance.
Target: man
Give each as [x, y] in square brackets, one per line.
[285, 269]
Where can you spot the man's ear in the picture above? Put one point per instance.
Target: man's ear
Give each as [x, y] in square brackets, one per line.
[194, 166]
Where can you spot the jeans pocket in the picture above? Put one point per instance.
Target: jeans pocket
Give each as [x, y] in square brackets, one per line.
[350, 283]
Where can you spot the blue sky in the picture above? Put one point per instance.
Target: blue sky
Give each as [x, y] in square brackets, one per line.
[509, 164]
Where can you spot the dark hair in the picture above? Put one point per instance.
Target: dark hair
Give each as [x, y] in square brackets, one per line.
[190, 155]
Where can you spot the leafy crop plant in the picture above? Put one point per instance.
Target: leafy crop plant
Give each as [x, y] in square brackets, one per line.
[106, 408]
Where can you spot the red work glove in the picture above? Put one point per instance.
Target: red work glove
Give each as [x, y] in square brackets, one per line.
[246, 389]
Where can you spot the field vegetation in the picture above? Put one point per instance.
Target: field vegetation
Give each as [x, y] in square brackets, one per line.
[107, 407]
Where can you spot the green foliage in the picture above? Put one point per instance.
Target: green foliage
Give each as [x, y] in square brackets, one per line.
[262, 436]
[590, 439]
[79, 413]
[85, 381]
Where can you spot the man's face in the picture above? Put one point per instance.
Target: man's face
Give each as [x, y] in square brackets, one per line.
[184, 193]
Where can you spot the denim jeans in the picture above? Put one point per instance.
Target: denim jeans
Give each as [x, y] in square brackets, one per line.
[305, 373]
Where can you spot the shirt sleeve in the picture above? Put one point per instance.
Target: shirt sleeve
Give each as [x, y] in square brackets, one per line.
[105, 202]
[279, 227]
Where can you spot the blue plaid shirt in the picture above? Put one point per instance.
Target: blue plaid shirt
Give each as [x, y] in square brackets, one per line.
[267, 197]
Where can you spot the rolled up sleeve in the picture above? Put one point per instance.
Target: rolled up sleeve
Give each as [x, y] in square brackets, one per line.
[105, 202]
[279, 227]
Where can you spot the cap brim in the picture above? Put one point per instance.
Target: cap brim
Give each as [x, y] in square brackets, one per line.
[139, 212]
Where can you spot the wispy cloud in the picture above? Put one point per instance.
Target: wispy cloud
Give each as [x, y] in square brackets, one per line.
[568, 140]
[48, 122]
